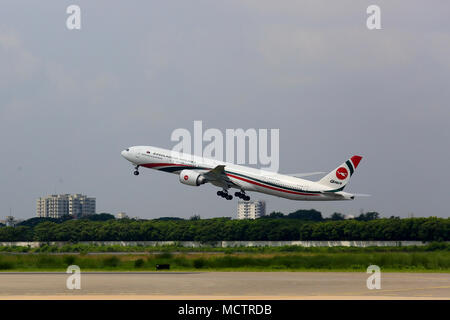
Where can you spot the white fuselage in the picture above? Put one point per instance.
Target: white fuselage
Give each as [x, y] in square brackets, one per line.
[243, 178]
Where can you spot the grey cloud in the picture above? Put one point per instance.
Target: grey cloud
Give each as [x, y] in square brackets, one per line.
[71, 101]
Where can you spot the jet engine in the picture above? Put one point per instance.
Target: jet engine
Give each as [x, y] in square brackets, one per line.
[192, 178]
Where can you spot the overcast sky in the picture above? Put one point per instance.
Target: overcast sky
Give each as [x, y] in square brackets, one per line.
[70, 101]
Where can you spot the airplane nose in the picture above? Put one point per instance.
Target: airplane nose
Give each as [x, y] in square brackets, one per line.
[125, 153]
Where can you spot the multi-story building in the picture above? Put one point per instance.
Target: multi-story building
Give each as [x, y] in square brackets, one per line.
[58, 205]
[251, 209]
[80, 205]
[53, 206]
[121, 215]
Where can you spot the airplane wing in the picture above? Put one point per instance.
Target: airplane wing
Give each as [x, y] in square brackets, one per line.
[215, 173]
[301, 175]
[218, 177]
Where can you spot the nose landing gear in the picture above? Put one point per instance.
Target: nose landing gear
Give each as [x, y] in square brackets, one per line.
[224, 194]
[136, 171]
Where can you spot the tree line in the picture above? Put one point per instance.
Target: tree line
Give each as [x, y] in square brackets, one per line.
[217, 229]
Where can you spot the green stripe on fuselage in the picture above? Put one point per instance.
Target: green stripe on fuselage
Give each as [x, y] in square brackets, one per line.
[349, 165]
[282, 187]
[270, 183]
[179, 168]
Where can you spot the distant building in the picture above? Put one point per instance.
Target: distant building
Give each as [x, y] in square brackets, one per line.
[251, 209]
[58, 205]
[121, 215]
[10, 221]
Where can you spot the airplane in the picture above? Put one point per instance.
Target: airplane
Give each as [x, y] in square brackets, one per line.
[195, 171]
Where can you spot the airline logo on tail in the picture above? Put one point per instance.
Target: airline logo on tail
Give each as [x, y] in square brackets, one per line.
[341, 173]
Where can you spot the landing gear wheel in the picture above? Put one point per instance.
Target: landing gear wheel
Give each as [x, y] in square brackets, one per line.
[224, 194]
[242, 195]
[136, 173]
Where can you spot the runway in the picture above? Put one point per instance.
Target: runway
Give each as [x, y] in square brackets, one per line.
[225, 285]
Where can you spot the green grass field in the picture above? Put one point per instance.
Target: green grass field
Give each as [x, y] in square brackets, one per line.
[321, 260]
[89, 248]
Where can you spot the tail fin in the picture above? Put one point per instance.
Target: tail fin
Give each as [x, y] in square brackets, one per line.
[339, 177]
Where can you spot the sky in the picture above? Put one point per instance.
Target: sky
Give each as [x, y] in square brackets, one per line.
[71, 100]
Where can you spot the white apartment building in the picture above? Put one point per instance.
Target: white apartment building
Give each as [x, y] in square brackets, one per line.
[121, 215]
[58, 205]
[251, 209]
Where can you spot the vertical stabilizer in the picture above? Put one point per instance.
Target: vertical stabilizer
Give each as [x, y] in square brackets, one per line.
[339, 177]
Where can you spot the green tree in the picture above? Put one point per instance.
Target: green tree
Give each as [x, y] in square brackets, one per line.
[337, 216]
[310, 215]
[99, 217]
[274, 215]
[368, 216]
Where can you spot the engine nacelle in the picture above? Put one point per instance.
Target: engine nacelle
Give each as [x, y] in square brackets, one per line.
[192, 178]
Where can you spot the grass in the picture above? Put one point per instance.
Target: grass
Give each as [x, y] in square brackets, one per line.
[421, 261]
[90, 248]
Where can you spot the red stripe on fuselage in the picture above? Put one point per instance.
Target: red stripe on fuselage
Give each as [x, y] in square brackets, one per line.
[269, 187]
[153, 165]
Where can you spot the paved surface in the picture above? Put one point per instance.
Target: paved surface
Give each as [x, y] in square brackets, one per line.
[225, 285]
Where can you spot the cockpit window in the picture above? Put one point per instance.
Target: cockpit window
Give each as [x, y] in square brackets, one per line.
[128, 149]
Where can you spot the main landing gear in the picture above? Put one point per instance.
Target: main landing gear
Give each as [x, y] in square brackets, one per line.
[136, 171]
[224, 194]
[242, 195]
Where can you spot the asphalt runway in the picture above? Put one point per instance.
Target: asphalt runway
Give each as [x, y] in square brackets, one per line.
[225, 285]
